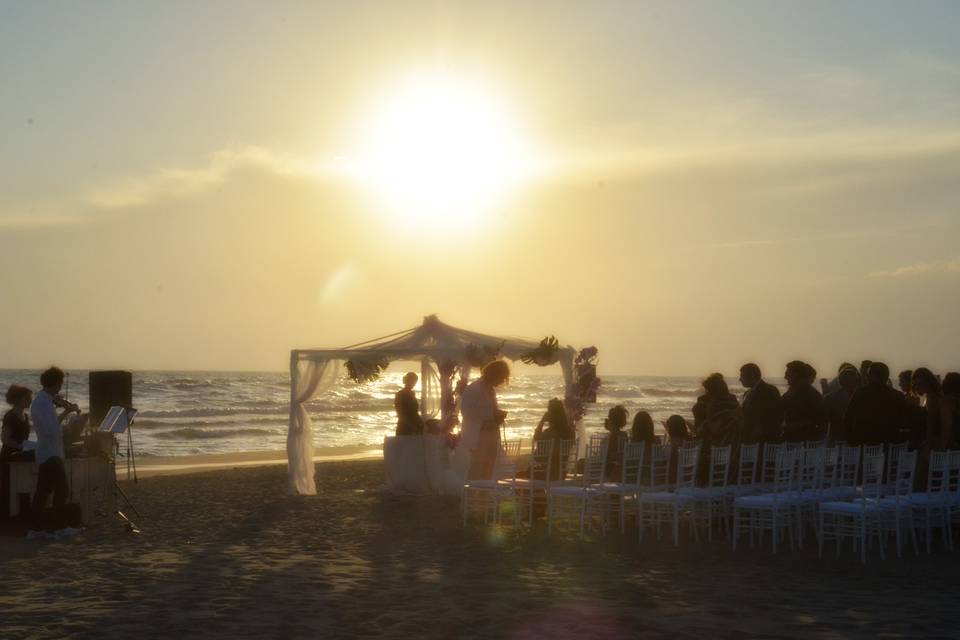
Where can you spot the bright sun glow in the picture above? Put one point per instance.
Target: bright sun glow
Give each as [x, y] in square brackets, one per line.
[440, 150]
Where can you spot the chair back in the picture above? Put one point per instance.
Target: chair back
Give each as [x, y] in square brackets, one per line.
[849, 466]
[937, 474]
[659, 467]
[785, 468]
[906, 471]
[768, 473]
[747, 464]
[541, 459]
[893, 461]
[830, 467]
[505, 465]
[719, 466]
[872, 475]
[596, 461]
[688, 459]
[567, 457]
[953, 472]
[872, 450]
[632, 465]
[809, 469]
[813, 444]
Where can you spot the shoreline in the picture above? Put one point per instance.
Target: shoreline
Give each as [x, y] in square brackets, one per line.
[152, 466]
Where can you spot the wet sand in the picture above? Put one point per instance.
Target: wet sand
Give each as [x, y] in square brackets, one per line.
[226, 554]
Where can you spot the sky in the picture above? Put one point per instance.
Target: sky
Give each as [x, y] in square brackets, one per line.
[715, 182]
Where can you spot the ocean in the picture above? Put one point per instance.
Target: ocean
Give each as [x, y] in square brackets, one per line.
[191, 412]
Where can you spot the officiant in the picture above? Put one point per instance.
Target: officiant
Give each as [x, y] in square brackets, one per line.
[480, 431]
[409, 421]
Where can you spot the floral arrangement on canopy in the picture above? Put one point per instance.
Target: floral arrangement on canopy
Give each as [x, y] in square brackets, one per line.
[585, 385]
[366, 370]
[544, 355]
[480, 357]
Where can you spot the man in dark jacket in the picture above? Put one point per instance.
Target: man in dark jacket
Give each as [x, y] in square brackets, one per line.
[762, 407]
[877, 412]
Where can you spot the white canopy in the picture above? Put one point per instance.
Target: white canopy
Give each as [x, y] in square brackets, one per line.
[314, 371]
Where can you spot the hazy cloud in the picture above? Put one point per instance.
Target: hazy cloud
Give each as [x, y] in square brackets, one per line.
[921, 269]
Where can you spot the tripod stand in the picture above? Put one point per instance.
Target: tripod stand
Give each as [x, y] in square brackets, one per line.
[119, 420]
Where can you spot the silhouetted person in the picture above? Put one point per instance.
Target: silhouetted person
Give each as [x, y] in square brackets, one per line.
[555, 425]
[51, 472]
[409, 420]
[939, 410]
[804, 416]
[678, 433]
[865, 371]
[951, 391]
[614, 424]
[836, 403]
[718, 420]
[16, 425]
[916, 416]
[877, 412]
[642, 429]
[834, 383]
[482, 417]
[762, 407]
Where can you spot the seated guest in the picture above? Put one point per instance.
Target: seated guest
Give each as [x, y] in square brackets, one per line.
[677, 430]
[939, 409]
[762, 407]
[409, 421]
[558, 428]
[877, 413]
[614, 424]
[836, 402]
[51, 473]
[16, 425]
[642, 429]
[557, 423]
[951, 391]
[804, 416]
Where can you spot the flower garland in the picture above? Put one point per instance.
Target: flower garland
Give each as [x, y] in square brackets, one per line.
[361, 371]
[545, 355]
[585, 385]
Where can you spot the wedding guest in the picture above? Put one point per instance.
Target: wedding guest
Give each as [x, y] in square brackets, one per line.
[905, 382]
[939, 409]
[864, 371]
[15, 431]
[677, 430]
[482, 417]
[642, 429]
[916, 424]
[409, 421]
[718, 419]
[16, 425]
[834, 383]
[616, 438]
[877, 412]
[762, 407]
[51, 473]
[836, 403]
[951, 391]
[557, 423]
[804, 416]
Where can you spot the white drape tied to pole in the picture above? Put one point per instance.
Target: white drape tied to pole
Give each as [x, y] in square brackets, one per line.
[308, 379]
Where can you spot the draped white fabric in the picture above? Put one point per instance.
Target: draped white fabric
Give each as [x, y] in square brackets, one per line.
[429, 390]
[308, 379]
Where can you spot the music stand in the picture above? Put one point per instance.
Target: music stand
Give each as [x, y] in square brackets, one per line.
[119, 420]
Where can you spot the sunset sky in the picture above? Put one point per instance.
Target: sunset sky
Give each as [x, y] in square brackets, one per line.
[206, 185]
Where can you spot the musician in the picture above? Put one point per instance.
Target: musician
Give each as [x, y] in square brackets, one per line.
[52, 475]
[16, 426]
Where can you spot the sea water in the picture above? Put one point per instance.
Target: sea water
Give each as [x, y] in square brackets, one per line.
[186, 413]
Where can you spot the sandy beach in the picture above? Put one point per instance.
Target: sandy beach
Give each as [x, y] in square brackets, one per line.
[226, 553]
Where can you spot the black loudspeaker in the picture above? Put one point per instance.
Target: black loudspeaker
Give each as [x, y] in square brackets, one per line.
[109, 389]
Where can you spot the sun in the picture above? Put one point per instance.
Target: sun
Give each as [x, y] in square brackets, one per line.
[440, 149]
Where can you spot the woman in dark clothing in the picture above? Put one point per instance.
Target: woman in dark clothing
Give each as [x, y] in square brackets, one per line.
[951, 391]
[939, 409]
[719, 420]
[642, 431]
[16, 426]
[409, 421]
[614, 424]
[558, 428]
[804, 414]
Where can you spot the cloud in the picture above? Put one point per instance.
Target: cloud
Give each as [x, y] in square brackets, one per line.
[184, 182]
[39, 221]
[921, 269]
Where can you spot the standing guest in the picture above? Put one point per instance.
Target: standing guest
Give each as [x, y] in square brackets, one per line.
[916, 424]
[15, 431]
[718, 420]
[804, 416]
[409, 421]
[939, 409]
[864, 371]
[905, 382]
[762, 407]
[951, 391]
[51, 474]
[836, 402]
[616, 439]
[16, 425]
[877, 412]
[482, 417]
[834, 383]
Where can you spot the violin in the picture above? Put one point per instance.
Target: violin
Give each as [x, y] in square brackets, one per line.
[65, 404]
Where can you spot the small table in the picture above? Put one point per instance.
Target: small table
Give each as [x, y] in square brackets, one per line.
[416, 465]
[91, 481]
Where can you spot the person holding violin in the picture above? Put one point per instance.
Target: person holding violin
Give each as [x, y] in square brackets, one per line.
[48, 425]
